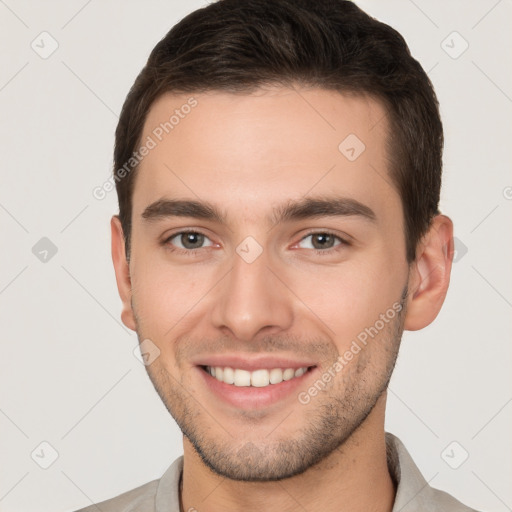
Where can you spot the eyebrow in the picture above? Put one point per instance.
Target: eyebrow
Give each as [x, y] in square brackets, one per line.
[308, 208]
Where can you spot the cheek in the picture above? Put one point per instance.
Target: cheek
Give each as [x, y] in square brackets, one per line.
[350, 297]
[165, 295]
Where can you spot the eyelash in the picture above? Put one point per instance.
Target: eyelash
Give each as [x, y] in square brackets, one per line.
[196, 252]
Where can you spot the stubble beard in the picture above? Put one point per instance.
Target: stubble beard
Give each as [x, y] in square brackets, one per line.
[326, 423]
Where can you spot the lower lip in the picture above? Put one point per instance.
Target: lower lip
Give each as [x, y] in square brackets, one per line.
[250, 397]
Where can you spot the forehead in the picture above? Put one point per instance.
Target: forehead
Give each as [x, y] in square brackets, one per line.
[263, 147]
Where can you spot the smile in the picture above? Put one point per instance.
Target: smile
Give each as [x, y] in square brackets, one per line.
[257, 378]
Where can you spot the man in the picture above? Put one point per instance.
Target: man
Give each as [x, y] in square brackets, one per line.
[278, 168]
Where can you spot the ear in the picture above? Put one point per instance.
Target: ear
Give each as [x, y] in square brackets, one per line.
[430, 274]
[122, 270]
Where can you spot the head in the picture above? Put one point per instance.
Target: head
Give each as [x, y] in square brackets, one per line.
[283, 214]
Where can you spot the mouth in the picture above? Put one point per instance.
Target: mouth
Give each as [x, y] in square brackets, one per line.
[259, 378]
[254, 384]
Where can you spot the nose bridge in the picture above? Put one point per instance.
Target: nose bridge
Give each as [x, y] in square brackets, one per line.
[251, 297]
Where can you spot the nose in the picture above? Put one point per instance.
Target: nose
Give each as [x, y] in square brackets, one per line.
[252, 300]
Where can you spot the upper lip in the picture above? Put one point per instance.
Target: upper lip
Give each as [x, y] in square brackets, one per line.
[251, 363]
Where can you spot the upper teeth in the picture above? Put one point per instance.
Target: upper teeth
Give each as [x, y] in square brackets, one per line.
[257, 378]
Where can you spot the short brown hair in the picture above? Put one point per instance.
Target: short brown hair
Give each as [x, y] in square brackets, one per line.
[238, 45]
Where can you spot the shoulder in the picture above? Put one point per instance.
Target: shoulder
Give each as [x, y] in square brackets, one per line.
[414, 494]
[140, 499]
[442, 501]
[160, 494]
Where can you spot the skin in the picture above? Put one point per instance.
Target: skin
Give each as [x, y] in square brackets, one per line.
[247, 154]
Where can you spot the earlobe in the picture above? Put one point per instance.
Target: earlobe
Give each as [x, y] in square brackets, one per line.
[430, 274]
[122, 270]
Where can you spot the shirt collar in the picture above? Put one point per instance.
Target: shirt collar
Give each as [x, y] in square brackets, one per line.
[412, 488]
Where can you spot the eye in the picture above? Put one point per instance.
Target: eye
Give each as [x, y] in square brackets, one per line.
[189, 240]
[321, 241]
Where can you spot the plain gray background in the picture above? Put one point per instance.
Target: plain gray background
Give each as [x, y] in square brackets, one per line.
[69, 377]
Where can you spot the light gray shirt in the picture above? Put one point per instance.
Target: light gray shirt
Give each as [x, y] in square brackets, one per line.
[413, 492]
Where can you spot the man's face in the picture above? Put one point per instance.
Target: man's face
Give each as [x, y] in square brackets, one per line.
[306, 253]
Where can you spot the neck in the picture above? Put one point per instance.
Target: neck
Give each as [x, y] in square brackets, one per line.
[353, 478]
